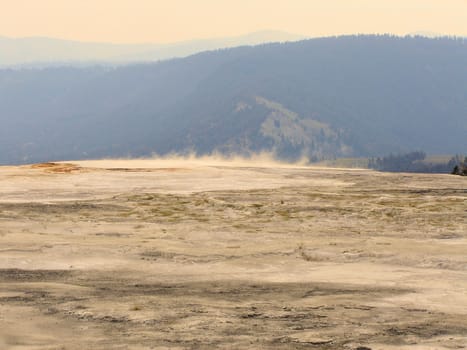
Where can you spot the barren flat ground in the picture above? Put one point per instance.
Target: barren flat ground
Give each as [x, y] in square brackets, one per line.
[218, 255]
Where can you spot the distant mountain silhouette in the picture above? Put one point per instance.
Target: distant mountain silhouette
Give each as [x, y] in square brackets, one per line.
[427, 34]
[43, 52]
[319, 98]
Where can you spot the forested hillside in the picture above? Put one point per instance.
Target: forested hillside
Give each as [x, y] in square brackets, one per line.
[320, 98]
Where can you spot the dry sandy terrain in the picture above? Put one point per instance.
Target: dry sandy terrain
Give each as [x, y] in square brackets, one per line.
[213, 255]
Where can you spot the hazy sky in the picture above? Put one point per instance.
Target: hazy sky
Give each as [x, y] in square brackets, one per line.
[137, 21]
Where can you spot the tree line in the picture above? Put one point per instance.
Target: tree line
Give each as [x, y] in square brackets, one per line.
[415, 162]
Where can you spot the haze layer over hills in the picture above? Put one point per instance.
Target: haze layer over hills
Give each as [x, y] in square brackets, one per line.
[319, 98]
[37, 51]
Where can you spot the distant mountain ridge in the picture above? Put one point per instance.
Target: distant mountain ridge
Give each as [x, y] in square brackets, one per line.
[38, 51]
[318, 98]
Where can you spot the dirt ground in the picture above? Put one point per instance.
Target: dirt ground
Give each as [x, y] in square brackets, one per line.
[217, 255]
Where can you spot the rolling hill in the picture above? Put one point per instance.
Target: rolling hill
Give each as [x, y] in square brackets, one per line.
[319, 98]
[46, 52]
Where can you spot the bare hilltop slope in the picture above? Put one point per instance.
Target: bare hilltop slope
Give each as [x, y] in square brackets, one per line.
[230, 255]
